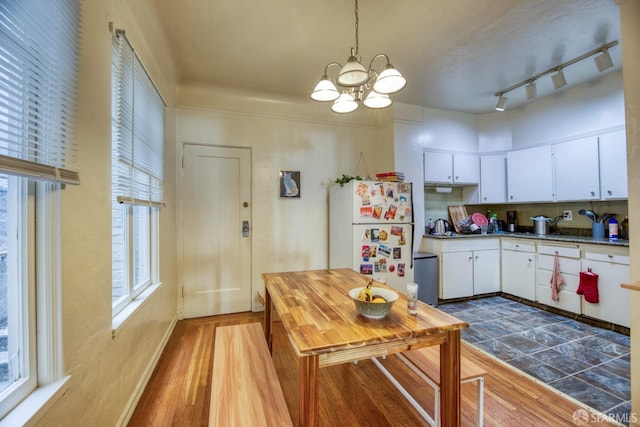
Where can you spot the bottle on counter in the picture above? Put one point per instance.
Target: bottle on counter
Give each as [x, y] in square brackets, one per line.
[613, 229]
[493, 224]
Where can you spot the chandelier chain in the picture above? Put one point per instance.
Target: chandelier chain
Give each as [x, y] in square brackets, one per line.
[357, 41]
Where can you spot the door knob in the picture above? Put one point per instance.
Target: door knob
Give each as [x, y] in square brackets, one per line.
[245, 228]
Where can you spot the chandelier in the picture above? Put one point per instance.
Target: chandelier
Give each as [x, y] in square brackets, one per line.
[357, 83]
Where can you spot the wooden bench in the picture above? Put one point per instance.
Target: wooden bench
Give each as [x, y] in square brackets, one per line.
[425, 362]
[245, 390]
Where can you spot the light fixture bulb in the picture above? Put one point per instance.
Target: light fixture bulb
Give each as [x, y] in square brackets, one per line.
[389, 81]
[603, 62]
[559, 80]
[344, 104]
[531, 90]
[502, 102]
[353, 73]
[377, 100]
[325, 90]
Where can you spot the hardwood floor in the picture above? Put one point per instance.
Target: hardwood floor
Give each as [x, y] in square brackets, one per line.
[179, 391]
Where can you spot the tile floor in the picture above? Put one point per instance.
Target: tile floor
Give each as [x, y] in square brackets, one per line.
[588, 363]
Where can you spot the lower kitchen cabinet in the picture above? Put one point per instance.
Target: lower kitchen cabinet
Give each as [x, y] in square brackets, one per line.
[569, 266]
[612, 267]
[468, 266]
[519, 268]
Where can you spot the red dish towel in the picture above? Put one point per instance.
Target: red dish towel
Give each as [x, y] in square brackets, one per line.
[589, 286]
[556, 279]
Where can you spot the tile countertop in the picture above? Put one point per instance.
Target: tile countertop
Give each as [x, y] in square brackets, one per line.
[549, 237]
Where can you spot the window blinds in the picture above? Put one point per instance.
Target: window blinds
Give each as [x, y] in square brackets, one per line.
[138, 130]
[38, 64]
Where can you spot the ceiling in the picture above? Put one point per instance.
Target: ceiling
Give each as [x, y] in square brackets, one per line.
[456, 55]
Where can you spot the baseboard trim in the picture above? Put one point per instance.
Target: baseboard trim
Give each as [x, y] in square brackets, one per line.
[126, 415]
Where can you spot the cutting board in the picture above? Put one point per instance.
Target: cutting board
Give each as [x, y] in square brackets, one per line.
[457, 213]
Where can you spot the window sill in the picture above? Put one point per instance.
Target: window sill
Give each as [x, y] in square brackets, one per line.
[31, 409]
[121, 319]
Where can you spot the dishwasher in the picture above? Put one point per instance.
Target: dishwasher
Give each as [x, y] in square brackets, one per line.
[426, 275]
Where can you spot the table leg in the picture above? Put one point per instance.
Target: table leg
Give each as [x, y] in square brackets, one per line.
[450, 380]
[309, 397]
[267, 318]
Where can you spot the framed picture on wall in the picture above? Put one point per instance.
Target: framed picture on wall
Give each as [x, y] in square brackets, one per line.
[290, 184]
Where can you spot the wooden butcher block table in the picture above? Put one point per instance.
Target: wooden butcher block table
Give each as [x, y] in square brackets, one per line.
[325, 329]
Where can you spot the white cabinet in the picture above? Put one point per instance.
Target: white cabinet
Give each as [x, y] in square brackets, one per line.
[468, 266]
[530, 175]
[576, 169]
[486, 271]
[493, 179]
[611, 264]
[519, 268]
[569, 266]
[447, 168]
[438, 167]
[613, 165]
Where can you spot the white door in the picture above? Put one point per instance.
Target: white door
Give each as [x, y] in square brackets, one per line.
[216, 249]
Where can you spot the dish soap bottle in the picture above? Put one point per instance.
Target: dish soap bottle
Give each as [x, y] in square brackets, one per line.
[613, 229]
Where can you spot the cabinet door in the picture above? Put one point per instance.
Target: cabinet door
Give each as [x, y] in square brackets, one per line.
[486, 272]
[466, 169]
[530, 175]
[438, 167]
[519, 274]
[613, 165]
[576, 170]
[614, 301]
[457, 274]
[493, 179]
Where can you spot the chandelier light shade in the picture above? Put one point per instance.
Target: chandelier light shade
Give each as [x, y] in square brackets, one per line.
[355, 83]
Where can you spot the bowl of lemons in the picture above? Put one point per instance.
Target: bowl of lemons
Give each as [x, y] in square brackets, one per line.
[373, 302]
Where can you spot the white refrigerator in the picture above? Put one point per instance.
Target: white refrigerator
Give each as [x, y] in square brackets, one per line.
[371, 230]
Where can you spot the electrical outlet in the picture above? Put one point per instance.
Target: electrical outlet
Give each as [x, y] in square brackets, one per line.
[568, 215]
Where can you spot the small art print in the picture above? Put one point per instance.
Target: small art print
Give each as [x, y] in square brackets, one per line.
[290, 184]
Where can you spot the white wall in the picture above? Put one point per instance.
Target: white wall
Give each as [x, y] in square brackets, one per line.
[283, 134]
[106, 373]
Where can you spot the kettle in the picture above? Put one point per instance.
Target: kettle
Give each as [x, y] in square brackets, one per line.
[441, 226]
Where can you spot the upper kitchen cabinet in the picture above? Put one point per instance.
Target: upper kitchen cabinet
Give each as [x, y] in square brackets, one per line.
[613, 165]
[493, 179]
[447, 168]
[576, 170]
[530, 175]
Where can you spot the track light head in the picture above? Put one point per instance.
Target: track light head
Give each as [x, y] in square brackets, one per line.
[502, 102]
[531, 90]
[603, 61]
[558, 79]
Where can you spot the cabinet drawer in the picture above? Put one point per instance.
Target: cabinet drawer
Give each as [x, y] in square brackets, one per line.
[469, 244]
[563, 251]
[571, 281]
[567, 265]
[611, 257]
[518, 245]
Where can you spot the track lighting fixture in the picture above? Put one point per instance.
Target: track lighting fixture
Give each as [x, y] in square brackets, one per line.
[558, 79]
[531, 90]
[603, 62]
[502, 102]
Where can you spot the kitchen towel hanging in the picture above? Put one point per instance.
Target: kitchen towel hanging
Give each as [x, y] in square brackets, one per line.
[589, 286]
[556, 279]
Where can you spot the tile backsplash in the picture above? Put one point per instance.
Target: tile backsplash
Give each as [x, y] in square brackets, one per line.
[436, 206]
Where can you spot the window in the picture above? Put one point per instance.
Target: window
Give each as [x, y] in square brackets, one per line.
[137, 174]
[37, 110]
